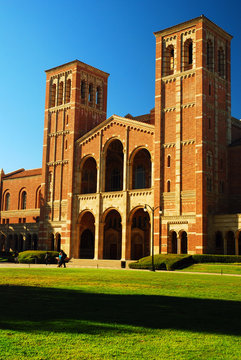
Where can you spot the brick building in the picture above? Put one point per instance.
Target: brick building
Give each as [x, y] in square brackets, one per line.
[101, 177]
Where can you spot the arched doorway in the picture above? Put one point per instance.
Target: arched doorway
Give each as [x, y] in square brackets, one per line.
[51, 241]
[87, 245]
[230, 243]
[173, 242]
[114, 166]
[140, 234]
[219, 243]
[112, 236]
[141, 170]
[87, 236]
[58, 241]
[183, 242]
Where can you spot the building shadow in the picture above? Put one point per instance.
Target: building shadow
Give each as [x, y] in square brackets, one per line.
[57, 310]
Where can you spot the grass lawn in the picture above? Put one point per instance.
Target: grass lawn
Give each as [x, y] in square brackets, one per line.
[117, 314]
[216, 268]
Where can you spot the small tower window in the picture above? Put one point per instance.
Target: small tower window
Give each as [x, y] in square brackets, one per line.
[53, 95]
[68, 91]
[210, 55]
[188, 54]
[168, 186]
[169, 60]
[90, 96]
[221, 62]
[83, 91]
[168, 161]
[98, 94]
[66, 144]
[60, 95]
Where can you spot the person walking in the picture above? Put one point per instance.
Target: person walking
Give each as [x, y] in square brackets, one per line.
[62, 257]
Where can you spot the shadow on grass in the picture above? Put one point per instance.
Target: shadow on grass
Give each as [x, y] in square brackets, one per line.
[59, 310]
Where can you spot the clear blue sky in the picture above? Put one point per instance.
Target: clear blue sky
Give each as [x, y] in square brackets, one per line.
[115, 36]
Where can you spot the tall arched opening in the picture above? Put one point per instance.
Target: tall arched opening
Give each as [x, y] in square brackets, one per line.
[112, 236]
[89, 176]
[173, 242]
[58, 241]
[140, 234]
[219, 245]
[87, 236]
[184, 246]
[114, 166]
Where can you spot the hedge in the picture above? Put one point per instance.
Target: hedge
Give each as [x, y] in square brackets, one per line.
[174, 261]
[37, 256]
[163, 262]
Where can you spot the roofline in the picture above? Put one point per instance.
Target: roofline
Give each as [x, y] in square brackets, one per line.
[16, 172]
[115, 117]
[188, 23]
[79, 62]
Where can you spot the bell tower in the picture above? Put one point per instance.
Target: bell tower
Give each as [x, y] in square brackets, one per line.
[193, 130]
[76, 100]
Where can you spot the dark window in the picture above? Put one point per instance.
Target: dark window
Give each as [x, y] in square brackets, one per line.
[7, 202]
[24, 200]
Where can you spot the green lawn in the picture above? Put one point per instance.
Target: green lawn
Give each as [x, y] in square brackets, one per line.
[216, 268]
[106, 314]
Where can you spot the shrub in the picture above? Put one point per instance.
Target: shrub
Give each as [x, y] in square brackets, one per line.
[216, 258]
[7, 256]
[37, 256]
[163, 262]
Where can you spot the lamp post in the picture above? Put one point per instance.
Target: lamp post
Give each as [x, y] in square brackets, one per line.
[153, 209]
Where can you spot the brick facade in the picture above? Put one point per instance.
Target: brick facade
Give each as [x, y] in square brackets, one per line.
[101, 177]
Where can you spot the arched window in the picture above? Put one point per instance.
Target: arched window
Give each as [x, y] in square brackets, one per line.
[60, 95]
[210, 55]
[53, 95]
[168, 186]
[114, 166]
[90, 96]
[7, 202]
[89, 176]
[188, 54]
[221, 62]
[141, 170]
[83, 91]
[168, 161]
[68, 91]
[23, 200]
